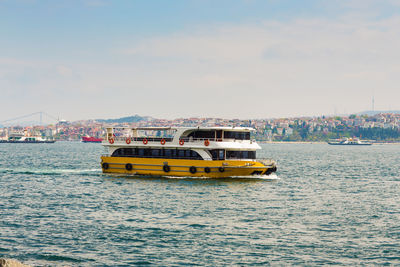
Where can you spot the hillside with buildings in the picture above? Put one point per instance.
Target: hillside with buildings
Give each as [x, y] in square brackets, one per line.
[383, 127]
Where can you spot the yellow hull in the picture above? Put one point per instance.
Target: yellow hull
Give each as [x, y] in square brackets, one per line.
[184, 168]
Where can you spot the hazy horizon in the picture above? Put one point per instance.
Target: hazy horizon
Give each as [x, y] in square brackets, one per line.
[245, 59]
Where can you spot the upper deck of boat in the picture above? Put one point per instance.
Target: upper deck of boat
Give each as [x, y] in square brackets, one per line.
[188, 137]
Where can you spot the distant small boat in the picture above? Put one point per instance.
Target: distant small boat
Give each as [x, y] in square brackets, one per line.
[350, 142]
[90, 139]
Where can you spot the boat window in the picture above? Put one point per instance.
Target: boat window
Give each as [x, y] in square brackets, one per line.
[240, 154]
[141, 151]
[127, 151]
[237, 135]
[194, 154]
[219, 135]
[147, 152]
[203, 134]
[217, 154]
[155, 152]
[221, 154]
[181, 153]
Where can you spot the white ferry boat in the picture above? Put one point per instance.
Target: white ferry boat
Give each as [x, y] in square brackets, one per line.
[350, 142]
[24, 137]
[183, 151]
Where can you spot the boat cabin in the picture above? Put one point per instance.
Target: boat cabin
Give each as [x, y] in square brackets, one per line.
[196, 143]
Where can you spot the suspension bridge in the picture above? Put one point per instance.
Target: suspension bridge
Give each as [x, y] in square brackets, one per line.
[35, 118]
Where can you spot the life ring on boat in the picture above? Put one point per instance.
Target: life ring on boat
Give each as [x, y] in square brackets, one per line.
[193, 169]
[166, 168]
[111, 140]
[206, 142]
[128, 167]
[181, 142]
[221, 169]
[145, 141]
[207, 169]
[105, 165]
[128, 140]
[162, 141]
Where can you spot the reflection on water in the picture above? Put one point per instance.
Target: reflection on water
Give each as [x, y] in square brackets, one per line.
[271, 177]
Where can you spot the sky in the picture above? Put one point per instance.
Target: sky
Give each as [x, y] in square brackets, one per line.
[246, 59]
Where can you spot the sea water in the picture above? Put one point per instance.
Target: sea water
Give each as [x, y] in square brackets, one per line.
[331, 205]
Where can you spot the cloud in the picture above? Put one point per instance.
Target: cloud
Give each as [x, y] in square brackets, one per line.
[296, 40]
[264, 69]
[64, 71]
[285, 61]
[269, 69]
[305, 46]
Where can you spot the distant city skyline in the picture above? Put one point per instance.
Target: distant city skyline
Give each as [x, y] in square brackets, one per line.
[37, 119]
[92, 59]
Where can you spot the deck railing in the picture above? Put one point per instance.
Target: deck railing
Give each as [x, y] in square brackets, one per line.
[169, 139]
[140, 139]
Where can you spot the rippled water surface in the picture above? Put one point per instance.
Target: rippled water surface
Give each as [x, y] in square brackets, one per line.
[331, 205]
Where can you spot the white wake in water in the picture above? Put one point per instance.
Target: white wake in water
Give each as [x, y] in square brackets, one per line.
[49, 171]
[271, 177]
